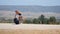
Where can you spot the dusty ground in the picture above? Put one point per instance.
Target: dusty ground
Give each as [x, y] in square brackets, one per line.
[29, 29]
[18, 31]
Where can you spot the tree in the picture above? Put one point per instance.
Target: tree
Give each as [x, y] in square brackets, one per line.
[41, 18]
[46, 21]
[35, 21]
[52, 20]
[27, 21]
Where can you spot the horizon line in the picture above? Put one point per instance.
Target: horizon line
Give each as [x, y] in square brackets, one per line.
[31, 5]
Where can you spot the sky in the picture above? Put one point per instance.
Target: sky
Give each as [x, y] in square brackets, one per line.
[31, 2]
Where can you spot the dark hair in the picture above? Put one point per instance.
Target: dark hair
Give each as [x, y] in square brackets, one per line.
[19, 14]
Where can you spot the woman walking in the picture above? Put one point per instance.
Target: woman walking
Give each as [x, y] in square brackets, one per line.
[18, 17]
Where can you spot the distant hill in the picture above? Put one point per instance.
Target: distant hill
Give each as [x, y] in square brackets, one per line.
[31, 8]
[30, 11]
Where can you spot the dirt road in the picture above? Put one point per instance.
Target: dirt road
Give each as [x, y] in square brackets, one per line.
[29, 29]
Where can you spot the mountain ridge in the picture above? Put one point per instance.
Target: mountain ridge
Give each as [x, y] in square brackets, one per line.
[31, 8]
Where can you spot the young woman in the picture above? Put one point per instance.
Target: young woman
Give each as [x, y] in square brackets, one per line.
[18, 17]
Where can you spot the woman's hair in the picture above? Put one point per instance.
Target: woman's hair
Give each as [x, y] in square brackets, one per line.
[17, 12]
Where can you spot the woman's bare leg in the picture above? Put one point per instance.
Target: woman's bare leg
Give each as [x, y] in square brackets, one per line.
[20, 19]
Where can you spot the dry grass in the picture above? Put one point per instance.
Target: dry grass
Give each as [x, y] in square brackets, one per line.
[18, 31]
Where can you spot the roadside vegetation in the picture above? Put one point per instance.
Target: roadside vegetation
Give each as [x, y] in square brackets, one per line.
[40, 20]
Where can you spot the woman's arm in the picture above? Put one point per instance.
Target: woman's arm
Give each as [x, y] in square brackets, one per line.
[15, 15]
